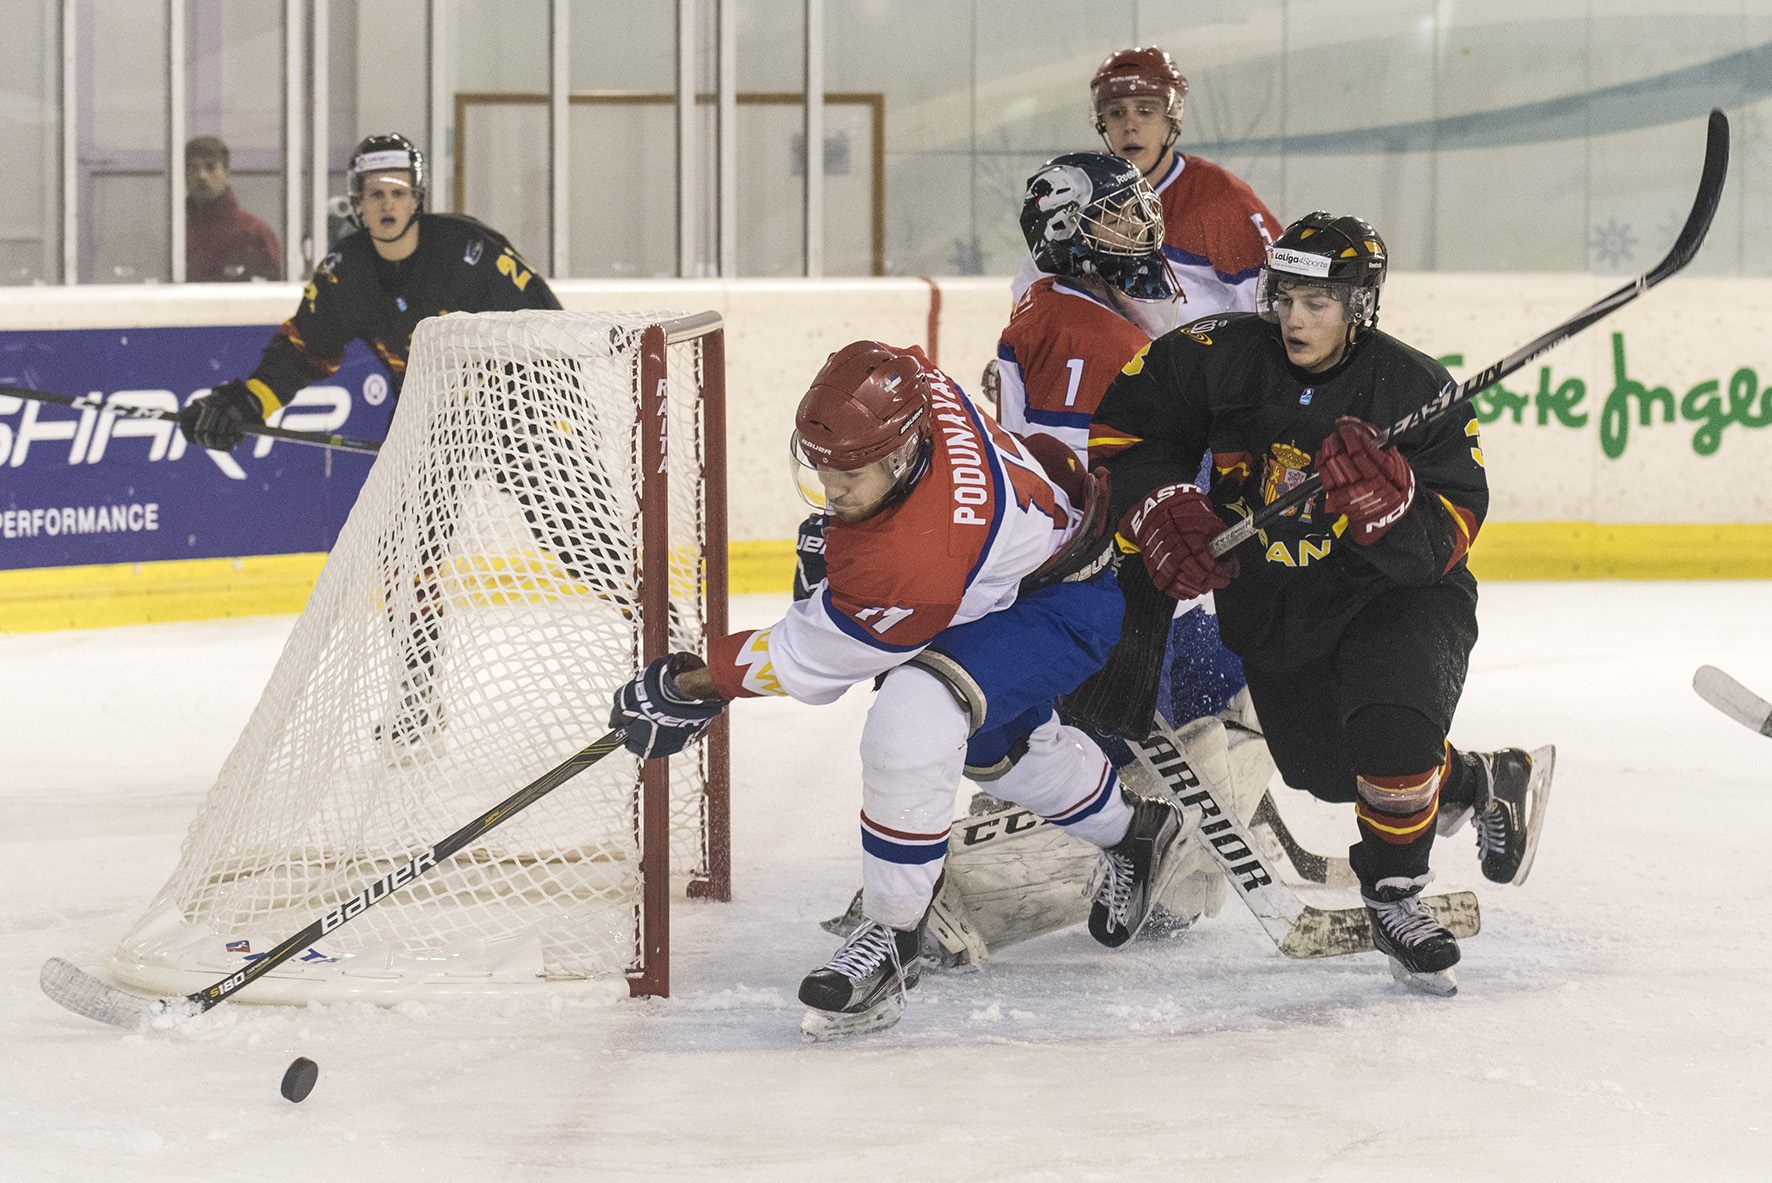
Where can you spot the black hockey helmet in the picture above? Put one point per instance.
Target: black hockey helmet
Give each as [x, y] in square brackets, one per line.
[1093, 213]
[1335, 251]
[387, 152]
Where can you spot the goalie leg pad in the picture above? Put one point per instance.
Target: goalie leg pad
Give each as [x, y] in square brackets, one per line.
[1066, 779]
[912, 747]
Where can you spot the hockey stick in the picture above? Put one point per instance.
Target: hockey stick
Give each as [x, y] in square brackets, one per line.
[1324, 869]
[1121, 697]
[84, 994]
[95, 402]
[1733, 699]
[1297, 928]
[1704, 208]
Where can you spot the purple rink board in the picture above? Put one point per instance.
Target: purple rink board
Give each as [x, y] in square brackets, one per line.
[78, 488]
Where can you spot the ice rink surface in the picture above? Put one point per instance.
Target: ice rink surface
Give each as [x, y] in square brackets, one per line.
[1612, 1023]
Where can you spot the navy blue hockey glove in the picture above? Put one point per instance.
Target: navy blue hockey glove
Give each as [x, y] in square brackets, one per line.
[219, 419]
[660, 720]
[809, 556]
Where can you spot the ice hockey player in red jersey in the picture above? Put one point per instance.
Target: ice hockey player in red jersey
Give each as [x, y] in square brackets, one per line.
[1355, 616]
[1216, 230]
[974, 588]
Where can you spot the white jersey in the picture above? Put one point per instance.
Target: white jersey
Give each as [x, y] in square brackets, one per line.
[981, 517]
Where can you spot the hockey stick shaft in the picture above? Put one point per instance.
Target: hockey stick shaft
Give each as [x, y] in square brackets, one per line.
[94, 402]
[367, 898]
[1704, 208]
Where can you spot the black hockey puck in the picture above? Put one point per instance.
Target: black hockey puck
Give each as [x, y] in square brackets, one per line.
[299, 1080]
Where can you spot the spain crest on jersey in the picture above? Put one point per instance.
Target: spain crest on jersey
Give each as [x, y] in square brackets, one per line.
[1284, 469]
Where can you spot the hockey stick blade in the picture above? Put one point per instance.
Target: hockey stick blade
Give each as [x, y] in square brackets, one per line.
[1704, 209]
[1733, 699]
[1322, 869]
[95, 402]
[1297, 929]
[72, 987]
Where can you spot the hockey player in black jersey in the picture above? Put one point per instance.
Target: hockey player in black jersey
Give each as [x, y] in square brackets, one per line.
[403, 266]
[1354, 614]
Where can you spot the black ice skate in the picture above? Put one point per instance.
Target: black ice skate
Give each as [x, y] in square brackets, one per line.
[1422, 952]
[417, 718]
[862, 987]
[1132, 874]
[1509, 810]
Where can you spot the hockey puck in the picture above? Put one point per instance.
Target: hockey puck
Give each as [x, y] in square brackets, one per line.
[299, 1080]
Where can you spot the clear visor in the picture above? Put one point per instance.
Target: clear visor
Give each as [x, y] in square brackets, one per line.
[397, 182]
[1276, 292]
[854, 494]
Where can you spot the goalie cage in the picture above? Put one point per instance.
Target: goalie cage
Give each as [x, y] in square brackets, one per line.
[518, 550]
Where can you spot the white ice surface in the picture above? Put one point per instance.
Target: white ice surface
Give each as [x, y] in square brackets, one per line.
[1612, 1020]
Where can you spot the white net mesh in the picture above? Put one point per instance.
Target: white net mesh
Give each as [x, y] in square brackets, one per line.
[482, 604]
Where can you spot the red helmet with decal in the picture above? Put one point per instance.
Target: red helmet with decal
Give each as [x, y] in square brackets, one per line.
[1140, 72]
[865, 404]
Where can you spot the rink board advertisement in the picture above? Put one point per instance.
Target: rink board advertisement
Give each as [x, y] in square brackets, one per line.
[82, 487]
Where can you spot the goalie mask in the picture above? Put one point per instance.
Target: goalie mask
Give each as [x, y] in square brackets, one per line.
[1341, 254]
[862, 431]
[1090, 213]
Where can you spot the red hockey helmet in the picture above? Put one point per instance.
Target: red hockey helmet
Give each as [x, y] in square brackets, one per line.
[1143, 71]
[868, 409]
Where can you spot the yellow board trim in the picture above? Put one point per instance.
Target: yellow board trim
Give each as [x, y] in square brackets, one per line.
[49, 598]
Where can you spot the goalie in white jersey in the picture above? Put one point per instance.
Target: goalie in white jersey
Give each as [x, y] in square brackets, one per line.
[976, 589]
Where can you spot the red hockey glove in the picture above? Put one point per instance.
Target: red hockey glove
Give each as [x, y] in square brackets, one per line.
[1174, 527]
[1373, 486]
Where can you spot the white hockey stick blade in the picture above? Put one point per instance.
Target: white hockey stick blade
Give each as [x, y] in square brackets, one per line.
[72, 987]
[1733, 699]
[1298, 929]
[1330, 932]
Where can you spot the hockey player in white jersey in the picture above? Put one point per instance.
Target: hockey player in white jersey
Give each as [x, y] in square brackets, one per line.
[975, 589]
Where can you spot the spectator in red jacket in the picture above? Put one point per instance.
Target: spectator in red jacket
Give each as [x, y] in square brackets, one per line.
[223, 243]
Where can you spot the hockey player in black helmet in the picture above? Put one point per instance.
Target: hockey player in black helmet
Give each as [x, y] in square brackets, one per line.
[405, 264]
[1354, 614]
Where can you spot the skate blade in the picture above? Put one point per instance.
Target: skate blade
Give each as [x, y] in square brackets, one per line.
[1544, 763]
[1443, 983]
[820, 1026]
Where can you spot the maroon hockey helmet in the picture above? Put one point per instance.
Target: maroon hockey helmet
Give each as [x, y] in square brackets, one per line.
[866, 403]
[1139, 72]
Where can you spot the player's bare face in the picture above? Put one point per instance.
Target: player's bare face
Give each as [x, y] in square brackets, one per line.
[388, 206]
[856, 494]
[1313, 326]
[1137, 130]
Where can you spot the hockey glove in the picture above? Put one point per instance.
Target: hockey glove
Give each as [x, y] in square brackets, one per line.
[1373, 486]
[809, 556]
[1174, 527]
[219, 419]
[661, 721]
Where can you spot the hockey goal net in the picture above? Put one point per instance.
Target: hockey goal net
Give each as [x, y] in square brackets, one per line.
[547, 514]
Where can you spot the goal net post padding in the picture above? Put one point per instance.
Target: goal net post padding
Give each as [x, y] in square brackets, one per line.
[546, 516]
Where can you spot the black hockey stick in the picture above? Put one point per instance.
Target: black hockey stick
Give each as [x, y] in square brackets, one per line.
[84, 994]
[1704, 208]
[1121, 697]
[1733, 699]
[95, 402]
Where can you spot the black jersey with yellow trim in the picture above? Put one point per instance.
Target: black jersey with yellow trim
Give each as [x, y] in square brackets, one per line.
[1223, 384]
[460, 265]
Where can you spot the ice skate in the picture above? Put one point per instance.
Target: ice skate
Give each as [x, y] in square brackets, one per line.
[1509, 810]
[862, 987]
[417, 718]
[1131, 875]
[1422, 952]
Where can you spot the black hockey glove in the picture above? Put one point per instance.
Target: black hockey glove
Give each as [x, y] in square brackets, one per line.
[219, 419]
[660, 720]
[809, 556]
